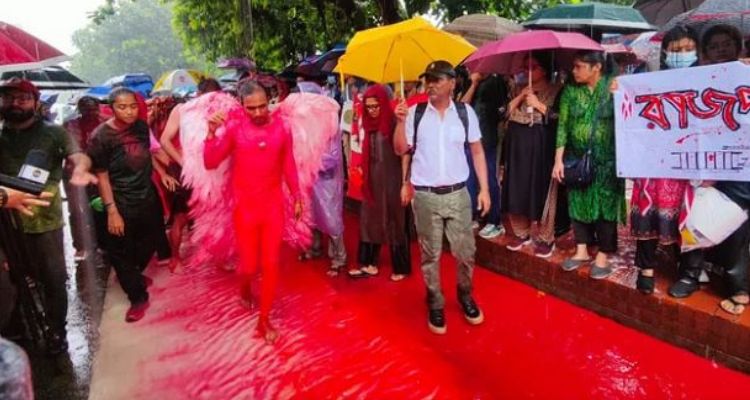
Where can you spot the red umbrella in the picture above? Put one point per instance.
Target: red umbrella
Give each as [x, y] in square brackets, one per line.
[506, 55]
[20, 50]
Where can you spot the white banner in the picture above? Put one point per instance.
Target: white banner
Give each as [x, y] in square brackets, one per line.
[690, 123]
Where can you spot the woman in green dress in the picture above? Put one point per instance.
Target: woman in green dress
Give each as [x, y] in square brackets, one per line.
[595, 210]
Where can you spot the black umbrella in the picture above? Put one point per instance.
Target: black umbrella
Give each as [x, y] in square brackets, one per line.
[711, 12]
[659, 12]
[56, 78]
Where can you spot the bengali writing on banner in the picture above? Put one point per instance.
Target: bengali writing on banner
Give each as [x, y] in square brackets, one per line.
[691, 123]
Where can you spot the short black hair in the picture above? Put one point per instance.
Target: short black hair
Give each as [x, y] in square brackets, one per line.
[119, 91]
[722, 29]
[208, 85]
[86, 100]
[593, 57]
[675, 34]
[249, 87]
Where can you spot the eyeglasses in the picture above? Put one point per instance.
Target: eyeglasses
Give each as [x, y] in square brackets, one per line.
[21, 98]
[372, 106]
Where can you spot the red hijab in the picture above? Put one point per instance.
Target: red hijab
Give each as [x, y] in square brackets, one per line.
[384, 122]
[382, 125]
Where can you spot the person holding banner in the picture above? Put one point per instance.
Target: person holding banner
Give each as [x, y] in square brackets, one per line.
[586, 129]
[719, 44]
[655, 204]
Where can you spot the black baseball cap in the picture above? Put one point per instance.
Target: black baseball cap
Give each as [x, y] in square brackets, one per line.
[439, 69]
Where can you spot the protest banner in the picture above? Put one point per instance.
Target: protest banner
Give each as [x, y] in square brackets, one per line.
[689, 123]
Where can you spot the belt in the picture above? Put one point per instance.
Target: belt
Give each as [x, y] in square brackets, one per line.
[441, 189]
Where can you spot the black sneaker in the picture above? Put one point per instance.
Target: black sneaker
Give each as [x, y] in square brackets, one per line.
[436, 321]
[472, 313]
[683, 288]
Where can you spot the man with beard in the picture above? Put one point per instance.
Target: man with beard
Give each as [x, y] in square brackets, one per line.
[24, 131]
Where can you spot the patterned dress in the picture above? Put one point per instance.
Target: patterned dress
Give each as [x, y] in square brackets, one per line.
[604, 199]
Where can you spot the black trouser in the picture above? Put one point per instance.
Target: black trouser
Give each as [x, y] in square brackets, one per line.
[129, 254]
[732, 254]
[48, 257]
[7, 293]
[368, 254]
[163, 249]
[645, 253]
[605, 233]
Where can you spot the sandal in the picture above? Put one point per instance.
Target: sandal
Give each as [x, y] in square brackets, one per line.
[333, 271]
[364, 272]
[397, 277]
[645, 283]
[733, 306]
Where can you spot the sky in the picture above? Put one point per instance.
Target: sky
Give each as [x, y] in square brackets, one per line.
[53, 21]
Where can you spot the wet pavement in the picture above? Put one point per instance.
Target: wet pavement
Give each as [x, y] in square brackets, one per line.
[68, 376]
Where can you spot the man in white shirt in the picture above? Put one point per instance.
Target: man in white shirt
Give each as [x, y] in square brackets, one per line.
[439, 170]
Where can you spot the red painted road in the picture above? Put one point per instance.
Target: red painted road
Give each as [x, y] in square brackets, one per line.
[344, 338]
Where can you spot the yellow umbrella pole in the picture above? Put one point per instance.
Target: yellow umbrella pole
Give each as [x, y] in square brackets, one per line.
[401, 66]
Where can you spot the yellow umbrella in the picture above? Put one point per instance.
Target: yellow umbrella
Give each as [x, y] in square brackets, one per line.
[178, 78]
[400, 51]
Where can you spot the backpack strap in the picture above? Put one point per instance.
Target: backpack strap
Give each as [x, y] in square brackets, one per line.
[418, 114]
[463, 115]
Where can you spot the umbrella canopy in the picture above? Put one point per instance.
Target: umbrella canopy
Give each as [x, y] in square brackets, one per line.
[236, 63]
[506, 56]
[141, 83]
[712, 12]
[57, 78]
[659, 12]
[20, 50]
[322, 64]
[594, 16]
[479, 29]
[178, 78]
[403, 50]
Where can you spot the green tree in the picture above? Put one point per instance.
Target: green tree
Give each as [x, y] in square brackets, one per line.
[128, 37]
[278, 33]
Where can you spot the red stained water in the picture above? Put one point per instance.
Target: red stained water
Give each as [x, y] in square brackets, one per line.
[344, 338]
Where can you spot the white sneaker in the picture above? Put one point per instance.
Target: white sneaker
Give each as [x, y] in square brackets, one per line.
[491, 231]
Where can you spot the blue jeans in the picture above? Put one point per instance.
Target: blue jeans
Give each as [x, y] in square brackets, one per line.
[490, 155]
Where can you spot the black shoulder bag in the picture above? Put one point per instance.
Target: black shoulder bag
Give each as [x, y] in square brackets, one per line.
[579, 172]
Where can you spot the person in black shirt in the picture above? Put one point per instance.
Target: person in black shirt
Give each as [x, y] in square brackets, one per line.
[121, 159]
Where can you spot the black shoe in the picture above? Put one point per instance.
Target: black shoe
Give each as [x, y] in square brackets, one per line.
[683, 288]
[472, 313]
[436, 321]
[645, 284]
[56, 344]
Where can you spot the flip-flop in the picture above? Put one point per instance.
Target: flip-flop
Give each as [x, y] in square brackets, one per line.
[361, 273]
[733, 306]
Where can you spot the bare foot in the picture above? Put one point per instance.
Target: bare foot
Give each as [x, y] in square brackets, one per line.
[266, 331]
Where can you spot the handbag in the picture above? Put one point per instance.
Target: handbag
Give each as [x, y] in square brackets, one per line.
[579, 172]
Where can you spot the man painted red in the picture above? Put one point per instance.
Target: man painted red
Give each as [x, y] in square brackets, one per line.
[262, 160]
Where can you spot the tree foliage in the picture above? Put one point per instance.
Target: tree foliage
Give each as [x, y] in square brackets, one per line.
[127, 37]
[278, 33]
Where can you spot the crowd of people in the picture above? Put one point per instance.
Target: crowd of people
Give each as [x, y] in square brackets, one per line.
[459, 150]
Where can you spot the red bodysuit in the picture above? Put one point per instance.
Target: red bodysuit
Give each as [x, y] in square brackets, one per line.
[261, 158]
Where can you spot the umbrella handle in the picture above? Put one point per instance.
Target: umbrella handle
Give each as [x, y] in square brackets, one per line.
[401, 71]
